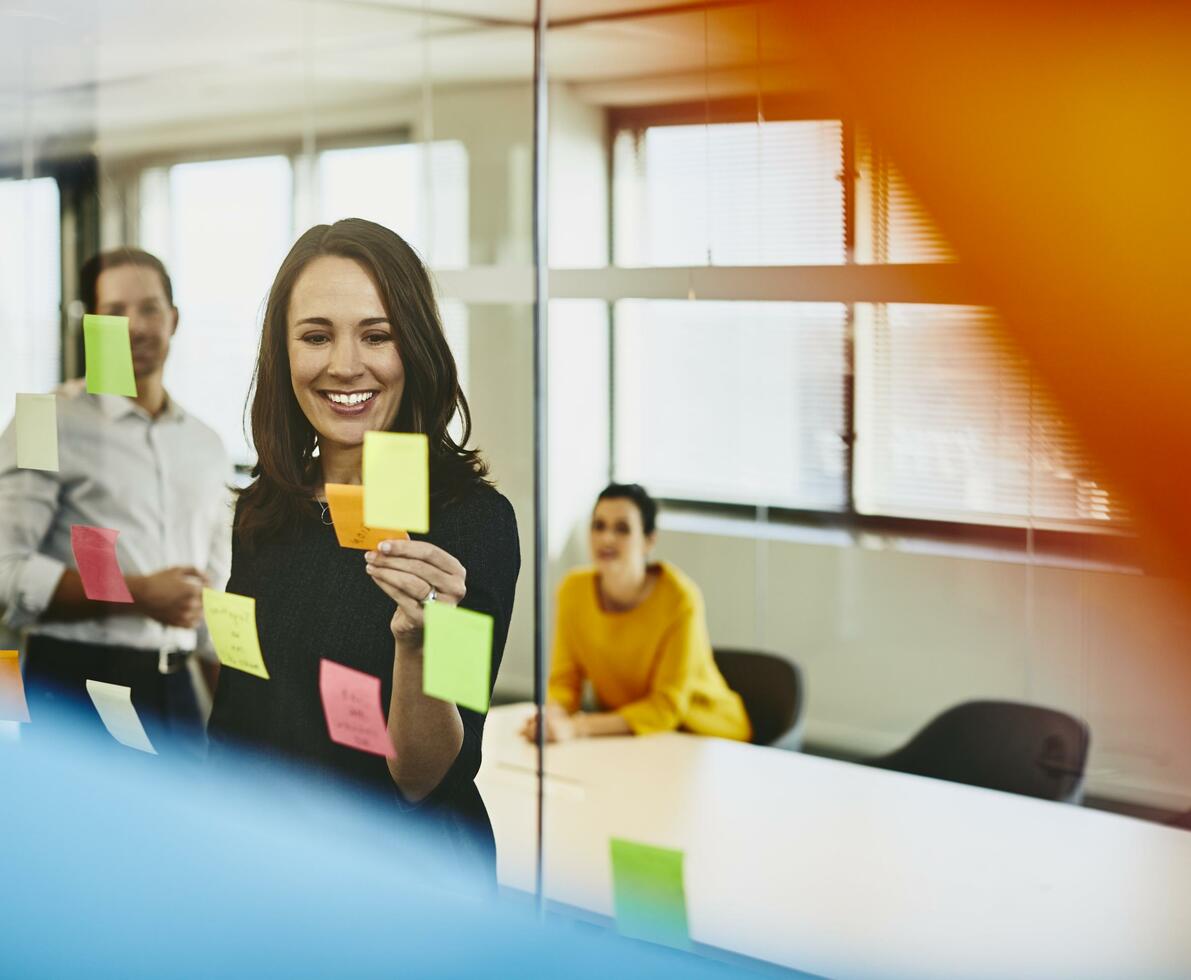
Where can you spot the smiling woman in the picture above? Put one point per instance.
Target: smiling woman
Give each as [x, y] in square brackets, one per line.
[352, 342]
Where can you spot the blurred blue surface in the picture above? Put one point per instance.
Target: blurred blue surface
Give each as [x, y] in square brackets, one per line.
[124, 865]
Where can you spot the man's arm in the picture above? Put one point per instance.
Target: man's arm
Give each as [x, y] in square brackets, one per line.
[36, 587]
[28, 505]
[172, 596]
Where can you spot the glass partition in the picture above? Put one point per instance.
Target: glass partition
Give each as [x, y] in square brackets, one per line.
[888, 593]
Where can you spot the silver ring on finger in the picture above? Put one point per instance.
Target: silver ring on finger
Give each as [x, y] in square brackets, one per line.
[431, 596]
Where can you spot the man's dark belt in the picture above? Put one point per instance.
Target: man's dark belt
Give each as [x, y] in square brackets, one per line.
[172, 661]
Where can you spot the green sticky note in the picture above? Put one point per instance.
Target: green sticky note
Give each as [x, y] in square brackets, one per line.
[648, 892]
[37, 432]
[231, 621]
[397, 480]
[109, 355]
[457, 655]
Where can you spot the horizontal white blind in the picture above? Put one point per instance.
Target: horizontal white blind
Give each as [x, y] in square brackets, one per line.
[951, 425]
[732, 402]
[892, 225]
[729, 194]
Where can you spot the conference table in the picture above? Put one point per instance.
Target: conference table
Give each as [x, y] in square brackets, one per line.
[841, 870]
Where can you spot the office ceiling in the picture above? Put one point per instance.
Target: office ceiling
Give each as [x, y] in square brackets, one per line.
[72, 68]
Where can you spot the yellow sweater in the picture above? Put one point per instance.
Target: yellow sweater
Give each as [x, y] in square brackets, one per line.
[652, 664]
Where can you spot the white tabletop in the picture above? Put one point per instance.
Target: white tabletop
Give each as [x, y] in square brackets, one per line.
[843, 870]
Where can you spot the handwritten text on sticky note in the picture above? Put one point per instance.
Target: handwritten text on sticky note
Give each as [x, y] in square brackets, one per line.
[397, 480]
[649, 894]
[346, 504]
[37, 432]
[231, 621]
[351, 703]
[114, 704]
[457, 655]
[13, 706]
[108, 352]
[95, 554]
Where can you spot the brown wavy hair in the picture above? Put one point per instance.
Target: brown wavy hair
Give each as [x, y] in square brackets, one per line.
[287, 468]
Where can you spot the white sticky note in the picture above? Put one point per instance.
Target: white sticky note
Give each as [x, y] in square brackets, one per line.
[114, 704]
[37, 432]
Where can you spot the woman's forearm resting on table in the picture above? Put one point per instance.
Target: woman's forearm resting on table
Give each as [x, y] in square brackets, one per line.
[595, 723]
[427, 733]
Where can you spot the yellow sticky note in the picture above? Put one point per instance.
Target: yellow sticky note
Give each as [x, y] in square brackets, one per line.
[231, 620]
[457, 655]
[397, 480]
[346, 503]
[648, 891]
[109, 355]
[37, 432]
[12, 691]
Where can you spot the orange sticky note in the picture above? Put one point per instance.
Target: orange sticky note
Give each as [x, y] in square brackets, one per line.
[13, 706]
[347, 512]
[351, 702]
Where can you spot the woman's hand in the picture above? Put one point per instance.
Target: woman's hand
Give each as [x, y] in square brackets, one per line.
[560, 726]
[406, 571]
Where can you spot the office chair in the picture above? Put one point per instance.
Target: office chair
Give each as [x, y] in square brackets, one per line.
[1016, 748]
[771, 688]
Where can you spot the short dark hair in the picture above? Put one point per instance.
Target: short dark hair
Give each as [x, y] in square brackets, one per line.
[113, 259]
[638, 495]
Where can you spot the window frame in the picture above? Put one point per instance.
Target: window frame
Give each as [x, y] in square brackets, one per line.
[1109, 544]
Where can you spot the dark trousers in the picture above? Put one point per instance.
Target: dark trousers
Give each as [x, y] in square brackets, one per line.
[56, 675]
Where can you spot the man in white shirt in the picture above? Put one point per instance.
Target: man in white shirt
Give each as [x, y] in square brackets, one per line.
[148, 469]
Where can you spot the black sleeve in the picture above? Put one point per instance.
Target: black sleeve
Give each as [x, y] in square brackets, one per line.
[481, 531]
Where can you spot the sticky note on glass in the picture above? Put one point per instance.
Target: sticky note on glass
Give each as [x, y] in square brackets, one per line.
[95, 554]
[397, 480]
[114, 704]
[649, 894]
[457, 655]
[351, 703]
[346, 503]
[231, 621]
[37, 432]
[13, 706]
[109, 355]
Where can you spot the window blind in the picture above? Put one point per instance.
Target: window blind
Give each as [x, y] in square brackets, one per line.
[952, 425]
[891, 224]
[732, 402]
[729, 194]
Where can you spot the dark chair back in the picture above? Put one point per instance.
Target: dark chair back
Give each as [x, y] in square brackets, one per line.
[1017, 748]
[770, 687]
[1181, 820]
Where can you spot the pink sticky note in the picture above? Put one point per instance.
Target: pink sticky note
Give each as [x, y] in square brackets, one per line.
[351, 702]
[95, 553]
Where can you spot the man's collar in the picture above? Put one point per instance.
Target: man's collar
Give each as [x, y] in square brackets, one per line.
[118, 406]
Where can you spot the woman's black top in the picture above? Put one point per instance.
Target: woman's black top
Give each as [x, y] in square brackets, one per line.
[314, 600]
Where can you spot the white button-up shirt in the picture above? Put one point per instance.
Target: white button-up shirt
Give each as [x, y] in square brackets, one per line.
[162, 482]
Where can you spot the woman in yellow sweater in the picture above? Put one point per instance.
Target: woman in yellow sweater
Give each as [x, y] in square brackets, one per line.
[636, 630]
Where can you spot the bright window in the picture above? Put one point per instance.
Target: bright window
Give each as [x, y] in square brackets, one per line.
[417, 189]
[952, 425]
[30, 289]
[732, 402]
[747, 402]
[222, 228]
[729, 194]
